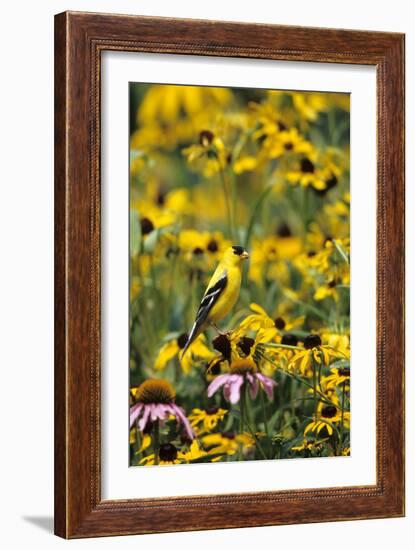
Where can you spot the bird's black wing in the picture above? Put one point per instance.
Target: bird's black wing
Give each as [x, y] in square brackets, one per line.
[210, 299]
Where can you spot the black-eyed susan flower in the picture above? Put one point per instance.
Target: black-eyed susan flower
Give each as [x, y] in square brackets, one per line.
[168, 455]
[328, 290]
[339, 340]
[327, 416]
[173, 348]
[242, 371]
[195, 452]
[209, 156]
[155, 401]
[245, 164]
[309, 445]
[260, 319]
[202, 247]
[309, 104]
[206, 419]
[227, 443]
[168, 103]
[286, 142]
[338, 376]
[314, 351]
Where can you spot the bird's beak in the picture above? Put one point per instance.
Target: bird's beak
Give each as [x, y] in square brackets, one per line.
[244, 255]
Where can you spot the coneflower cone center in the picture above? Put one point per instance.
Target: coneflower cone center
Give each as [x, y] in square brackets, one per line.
[243, 366]
[155, 391]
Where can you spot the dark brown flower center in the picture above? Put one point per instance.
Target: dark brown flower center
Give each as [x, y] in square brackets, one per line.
[288, 146]
[228, 435]
[344, 371]
[211, 410]
[330, 183]
[155, 391]
[206, 137]
[307, 167]
[147, 226]
[197, 251]
[212, 246]
[312, 341]
[332, 283]
[289, 340]
[182, 340]
[281, 126]
[245, 344]
[161, 197]
[222, 344]
[279, 323]
[328, 411]
[168, 452]
[213, 367]
[311, 253]
[284, 230]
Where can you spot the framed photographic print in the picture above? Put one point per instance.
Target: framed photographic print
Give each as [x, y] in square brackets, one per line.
[229, 217]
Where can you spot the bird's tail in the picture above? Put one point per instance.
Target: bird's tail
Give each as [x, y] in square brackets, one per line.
[194, 333]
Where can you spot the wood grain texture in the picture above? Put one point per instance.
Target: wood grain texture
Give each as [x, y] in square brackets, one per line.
[79, 40]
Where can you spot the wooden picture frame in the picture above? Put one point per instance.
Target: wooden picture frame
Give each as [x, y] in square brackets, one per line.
[79, 40]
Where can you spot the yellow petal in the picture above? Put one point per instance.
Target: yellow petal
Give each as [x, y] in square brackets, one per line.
[167, 352]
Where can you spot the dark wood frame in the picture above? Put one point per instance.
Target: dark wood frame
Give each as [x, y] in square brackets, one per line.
[79, 40]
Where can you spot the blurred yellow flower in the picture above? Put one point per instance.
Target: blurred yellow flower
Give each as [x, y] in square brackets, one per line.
[206, 419]
[227, 443]
[168, 103]
[198, 350]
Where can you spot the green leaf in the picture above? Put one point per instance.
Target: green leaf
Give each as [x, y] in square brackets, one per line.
[135, 233]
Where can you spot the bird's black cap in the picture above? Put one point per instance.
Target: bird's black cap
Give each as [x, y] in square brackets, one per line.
[238, 250]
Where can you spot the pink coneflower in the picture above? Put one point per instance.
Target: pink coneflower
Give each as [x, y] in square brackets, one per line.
[241, 371]
[155, 401]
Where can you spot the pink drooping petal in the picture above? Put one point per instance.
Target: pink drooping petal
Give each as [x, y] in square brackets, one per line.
[159, 411]
[217, 383]
[253, 385]
[135, 412]
[267, 383]
[164, 411]
[143, 422]
[180, 415]
[235, 388]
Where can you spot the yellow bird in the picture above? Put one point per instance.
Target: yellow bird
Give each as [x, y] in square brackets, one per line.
[221, 294]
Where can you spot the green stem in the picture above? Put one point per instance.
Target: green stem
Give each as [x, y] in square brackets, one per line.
[242, 410]
[227, 202]
[298, 378]
[233, 204]
[342, 417]
[156, 442]
[285, 346]
[245, 421]
[255, 212]
[264, 412]
[340, 250]
[315, 392]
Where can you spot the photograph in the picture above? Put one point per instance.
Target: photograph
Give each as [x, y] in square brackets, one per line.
[239, 272]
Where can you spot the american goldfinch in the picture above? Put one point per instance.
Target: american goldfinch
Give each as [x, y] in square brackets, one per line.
[221, 294]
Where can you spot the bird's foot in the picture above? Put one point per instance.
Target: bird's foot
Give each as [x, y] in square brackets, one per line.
[221, 332]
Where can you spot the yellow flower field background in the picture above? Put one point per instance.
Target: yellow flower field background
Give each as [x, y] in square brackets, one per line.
[269, 171]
